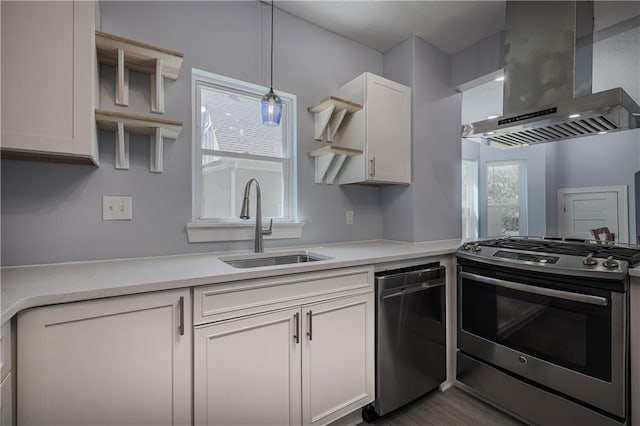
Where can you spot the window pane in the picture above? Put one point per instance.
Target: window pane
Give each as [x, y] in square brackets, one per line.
[232, 122]
[223, 181]
[503, 184]
[505, 199]
[469, 199]
[503, 220]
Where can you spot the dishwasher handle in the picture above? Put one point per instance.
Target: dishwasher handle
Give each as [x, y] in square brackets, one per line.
[413, 289]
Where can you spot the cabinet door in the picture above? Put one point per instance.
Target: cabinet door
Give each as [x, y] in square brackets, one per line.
[338, 358]
[6, 401]
[121, 360]
[388, 130]
[247, 371]
[49, 74]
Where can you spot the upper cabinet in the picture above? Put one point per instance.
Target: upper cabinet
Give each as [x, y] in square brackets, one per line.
[49, 81]
[381, 129]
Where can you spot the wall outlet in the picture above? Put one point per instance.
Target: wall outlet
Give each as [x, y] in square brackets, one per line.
[117, 208]
[349, 217]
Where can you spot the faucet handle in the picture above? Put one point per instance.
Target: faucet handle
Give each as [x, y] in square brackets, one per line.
[268, 231]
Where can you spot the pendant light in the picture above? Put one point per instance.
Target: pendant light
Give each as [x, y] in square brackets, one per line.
[271, 104]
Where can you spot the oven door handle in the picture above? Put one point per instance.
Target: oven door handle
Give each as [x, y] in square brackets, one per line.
[559, 294]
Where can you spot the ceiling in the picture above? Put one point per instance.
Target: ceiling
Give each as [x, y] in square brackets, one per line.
[451, 26]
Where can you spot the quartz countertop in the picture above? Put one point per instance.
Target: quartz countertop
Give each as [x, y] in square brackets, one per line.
[37, 285]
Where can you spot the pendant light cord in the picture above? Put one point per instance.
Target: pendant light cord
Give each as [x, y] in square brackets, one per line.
[271, 86]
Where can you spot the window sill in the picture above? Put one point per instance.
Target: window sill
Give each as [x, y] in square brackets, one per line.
[202, 232]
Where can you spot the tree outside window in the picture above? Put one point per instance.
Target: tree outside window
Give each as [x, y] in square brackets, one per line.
[506, 198]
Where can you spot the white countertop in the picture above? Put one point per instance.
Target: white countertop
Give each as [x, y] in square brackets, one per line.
[37, 285]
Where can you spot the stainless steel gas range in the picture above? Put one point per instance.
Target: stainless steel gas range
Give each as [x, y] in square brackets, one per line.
[543, 327]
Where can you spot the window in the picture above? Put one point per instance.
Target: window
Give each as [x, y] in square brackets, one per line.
[469, 199]
[506, 198]
[232, 146]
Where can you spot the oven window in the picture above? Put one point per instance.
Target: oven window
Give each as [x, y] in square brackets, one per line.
[571, 334]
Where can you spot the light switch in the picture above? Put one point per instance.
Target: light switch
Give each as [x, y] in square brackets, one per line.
[117, 208]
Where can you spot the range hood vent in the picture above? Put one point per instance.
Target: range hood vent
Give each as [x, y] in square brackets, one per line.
[547, 89]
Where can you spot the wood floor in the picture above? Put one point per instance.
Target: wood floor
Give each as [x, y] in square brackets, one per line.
[451, 408]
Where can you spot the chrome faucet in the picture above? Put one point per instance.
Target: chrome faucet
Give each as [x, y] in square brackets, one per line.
[244, 214]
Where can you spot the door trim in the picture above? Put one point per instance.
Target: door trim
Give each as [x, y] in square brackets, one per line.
[623, 207]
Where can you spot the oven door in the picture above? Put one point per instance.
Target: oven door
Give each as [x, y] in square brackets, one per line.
[568, 339]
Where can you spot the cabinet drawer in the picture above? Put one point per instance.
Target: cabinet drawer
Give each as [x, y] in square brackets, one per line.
[227, 300]
[5, 350]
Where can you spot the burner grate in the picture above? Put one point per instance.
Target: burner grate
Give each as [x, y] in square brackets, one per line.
[568, 247]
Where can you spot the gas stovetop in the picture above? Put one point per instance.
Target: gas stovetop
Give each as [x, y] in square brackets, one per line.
[556, 255]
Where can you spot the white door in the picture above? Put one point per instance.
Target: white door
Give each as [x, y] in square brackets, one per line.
[114, 361]
[583, 209]
[49, 74]
[247, 371]
[337, 362]
[388, 131]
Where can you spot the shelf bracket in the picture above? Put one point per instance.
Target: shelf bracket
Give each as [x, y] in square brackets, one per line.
[322, 166]
[122, 81]
[321, 121]
[329, 161]
[334, 168]
[157, 89]
[334, 124]
[156, 150]
[329, 114]
[122, 147]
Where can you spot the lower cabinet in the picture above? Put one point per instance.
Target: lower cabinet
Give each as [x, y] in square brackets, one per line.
[310, 364]
[6, 401]
[121, 360]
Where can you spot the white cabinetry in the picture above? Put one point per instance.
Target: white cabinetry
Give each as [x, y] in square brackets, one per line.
[306, 363]
[6, 376]
[49, 80]
[634, 296]
[6, 401]
[382, 129]
[337, 358]
[121, 360]
[247, 371]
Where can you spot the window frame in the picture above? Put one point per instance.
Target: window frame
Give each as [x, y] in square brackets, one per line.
[523, 192]
[475, 203]
[286, 227]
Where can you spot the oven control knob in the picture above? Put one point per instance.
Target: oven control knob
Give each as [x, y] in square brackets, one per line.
[589, 260]
[523, 360]
[477, 248]
[610, 263]
[466, 246]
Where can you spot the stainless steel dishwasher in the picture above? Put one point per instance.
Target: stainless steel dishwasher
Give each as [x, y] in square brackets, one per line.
[410, 336]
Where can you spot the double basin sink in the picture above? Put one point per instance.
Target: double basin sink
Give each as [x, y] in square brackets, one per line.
[273, 259]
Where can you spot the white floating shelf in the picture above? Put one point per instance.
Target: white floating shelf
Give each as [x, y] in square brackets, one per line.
[329, 161]
[329, 114]
[127, 55]
[124, 124]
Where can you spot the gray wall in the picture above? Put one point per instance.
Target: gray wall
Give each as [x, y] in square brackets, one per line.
[608, 160]
[52, 212]
[398, 200]
[477, 64]
[429, 208]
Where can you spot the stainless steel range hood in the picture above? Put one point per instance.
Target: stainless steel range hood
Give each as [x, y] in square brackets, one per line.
[547, 86]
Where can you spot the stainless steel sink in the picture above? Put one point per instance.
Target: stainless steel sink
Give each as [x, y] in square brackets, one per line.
[273, 259]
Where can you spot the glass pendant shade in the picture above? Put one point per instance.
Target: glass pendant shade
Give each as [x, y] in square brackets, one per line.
[271, 107]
